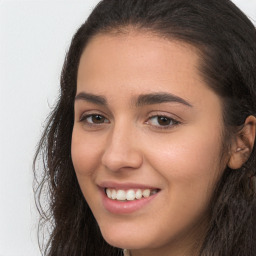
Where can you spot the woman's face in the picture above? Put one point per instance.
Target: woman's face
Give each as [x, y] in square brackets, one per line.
[146, 126]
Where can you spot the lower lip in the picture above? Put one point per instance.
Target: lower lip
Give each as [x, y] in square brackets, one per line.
[125, 207]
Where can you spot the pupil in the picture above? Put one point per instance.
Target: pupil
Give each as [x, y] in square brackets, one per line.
[97, 119]
[163, 120]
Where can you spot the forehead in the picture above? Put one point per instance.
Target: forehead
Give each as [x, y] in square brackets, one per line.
[135, 63]
[127, 52]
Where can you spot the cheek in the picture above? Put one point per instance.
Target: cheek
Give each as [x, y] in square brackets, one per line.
[85, 153]
[190, 169]
[188, 161]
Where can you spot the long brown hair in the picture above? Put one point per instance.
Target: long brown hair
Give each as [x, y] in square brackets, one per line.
[226, 40]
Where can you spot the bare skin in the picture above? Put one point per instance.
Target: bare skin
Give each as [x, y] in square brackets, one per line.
[174, 145]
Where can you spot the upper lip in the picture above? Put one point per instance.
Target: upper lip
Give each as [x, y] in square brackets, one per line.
[126, 185]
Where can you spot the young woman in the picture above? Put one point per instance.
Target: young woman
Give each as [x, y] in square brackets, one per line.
[151, 146]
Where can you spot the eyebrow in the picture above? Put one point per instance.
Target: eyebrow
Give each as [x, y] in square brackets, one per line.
[96, 99]
[142, 100]
[157, 98]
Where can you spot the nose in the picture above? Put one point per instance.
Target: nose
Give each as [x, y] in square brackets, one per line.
[122, 150]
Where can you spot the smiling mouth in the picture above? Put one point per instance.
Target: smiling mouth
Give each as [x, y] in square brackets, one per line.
[130, 194]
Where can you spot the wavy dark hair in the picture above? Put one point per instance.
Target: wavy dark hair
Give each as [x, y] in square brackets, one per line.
[226, 42]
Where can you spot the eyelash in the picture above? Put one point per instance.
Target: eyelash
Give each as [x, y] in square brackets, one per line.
[172, 121]
[85, 117]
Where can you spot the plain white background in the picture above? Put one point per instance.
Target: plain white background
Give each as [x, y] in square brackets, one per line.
[34, 37]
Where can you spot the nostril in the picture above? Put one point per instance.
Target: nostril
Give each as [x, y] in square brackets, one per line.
[116, 160]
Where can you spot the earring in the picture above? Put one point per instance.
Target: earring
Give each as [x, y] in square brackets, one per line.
[126, 252]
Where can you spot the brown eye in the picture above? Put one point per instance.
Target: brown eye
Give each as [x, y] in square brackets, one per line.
[97, 119]
[163, 120]
[94, 119]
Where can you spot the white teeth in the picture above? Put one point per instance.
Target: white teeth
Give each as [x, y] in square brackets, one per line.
[109, 194]
[146, 193]
[138, 194]
[130, 195]
[120, 195]
[113, 194]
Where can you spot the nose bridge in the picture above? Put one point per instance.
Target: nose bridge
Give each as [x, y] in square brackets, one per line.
[121, 149]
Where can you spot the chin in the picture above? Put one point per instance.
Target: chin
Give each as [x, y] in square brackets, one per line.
[126, 239]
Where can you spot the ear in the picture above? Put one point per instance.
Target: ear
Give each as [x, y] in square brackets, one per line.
[242, 144]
